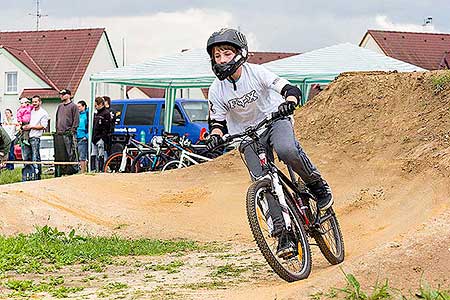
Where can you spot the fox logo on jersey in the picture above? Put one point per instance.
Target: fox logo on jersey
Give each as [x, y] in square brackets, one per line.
[243, 101]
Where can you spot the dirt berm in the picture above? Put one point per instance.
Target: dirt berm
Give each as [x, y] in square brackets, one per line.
[382, 140]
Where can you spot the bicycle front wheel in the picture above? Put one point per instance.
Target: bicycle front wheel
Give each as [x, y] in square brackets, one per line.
[173, 164]
[290, 269]
[113, 163]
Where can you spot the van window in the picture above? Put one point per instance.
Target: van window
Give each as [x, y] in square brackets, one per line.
[177, 118]
[140, 114]
[197, 111]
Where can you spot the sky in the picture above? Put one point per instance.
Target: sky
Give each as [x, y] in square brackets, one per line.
[154, 28]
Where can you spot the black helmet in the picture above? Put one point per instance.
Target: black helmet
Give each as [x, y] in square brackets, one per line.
[231, 37]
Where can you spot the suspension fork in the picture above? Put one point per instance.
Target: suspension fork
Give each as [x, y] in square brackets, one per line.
[276, 184]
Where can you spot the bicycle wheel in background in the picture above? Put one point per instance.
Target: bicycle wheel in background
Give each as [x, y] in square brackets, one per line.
[173, 164]
[290, 269]
[146, 161]
[328, 235]
[112, 164]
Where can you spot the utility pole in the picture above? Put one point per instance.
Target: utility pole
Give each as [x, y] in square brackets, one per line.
[38, 15]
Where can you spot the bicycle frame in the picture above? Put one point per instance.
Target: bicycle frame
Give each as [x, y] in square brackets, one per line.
[189, 156]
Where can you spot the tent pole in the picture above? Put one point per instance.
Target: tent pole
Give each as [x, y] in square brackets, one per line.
[170, 104]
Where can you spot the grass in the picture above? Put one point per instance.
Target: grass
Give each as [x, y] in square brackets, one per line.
[54, 286]
[48, 248]
[173, 267]
[380, 291]
[441, 82]
[228, 270]
[13, 176]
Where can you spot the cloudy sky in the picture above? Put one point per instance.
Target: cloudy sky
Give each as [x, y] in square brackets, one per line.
[153, 28]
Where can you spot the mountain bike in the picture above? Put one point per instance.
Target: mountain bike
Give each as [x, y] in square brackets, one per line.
[300, 211]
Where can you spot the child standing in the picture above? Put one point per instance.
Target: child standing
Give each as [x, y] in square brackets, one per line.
[23, 117]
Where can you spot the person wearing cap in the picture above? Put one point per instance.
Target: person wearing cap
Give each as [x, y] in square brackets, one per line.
[23, 117]
[67, 121]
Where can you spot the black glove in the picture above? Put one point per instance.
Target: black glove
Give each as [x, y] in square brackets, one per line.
[214, 141]
[286, 108]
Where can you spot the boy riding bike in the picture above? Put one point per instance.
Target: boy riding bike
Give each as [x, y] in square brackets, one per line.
[243, 95]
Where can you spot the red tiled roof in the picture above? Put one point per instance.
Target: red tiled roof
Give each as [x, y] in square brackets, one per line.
[263, 57]
[59, 57]
[150, 92]
[418, 48]
[43, 93]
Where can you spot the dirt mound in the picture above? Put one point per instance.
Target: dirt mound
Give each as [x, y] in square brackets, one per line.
[380, 139]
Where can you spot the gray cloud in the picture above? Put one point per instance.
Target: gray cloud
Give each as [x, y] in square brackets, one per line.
[152, 28]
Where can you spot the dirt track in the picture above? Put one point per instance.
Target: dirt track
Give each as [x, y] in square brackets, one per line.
[381, 140]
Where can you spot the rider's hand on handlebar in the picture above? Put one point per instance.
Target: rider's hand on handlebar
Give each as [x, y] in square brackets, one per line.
[286, 108]
[214, 141]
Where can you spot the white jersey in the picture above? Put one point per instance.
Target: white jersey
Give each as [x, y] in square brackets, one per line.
[257, 95]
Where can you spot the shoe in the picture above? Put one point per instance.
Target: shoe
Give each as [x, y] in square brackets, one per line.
[322, 191]
[286, 247]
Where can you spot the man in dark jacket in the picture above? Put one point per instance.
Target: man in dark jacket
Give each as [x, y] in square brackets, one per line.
[67, 121]
[100, 137]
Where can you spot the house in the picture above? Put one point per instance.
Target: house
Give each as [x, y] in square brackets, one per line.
[254, 58]
[427, 50]
[45, 62]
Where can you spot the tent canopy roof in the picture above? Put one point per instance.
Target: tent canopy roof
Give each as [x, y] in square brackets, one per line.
[333, 60]
[192, 68]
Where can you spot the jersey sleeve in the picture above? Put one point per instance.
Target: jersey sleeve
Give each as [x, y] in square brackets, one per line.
[217, 109]
[270, 80]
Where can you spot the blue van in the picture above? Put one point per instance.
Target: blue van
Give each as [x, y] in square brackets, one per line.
[146, 116]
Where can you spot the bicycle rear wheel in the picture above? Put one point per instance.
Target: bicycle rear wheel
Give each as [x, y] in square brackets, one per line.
[112, 165]
[327, 235]
[291, 269]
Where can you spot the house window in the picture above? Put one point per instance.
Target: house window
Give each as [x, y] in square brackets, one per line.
[11, 82]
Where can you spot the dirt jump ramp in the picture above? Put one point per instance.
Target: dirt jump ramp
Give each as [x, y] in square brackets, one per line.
[380, 139]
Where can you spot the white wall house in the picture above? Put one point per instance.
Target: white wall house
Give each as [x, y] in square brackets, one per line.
[42, 63]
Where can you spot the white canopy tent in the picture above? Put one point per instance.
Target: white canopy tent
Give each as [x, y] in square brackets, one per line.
[323, 65]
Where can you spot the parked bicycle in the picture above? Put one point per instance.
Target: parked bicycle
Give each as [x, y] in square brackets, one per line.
[121, 162]
[300, 212]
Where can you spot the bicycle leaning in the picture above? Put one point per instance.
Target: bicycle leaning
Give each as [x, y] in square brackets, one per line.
[300, 212]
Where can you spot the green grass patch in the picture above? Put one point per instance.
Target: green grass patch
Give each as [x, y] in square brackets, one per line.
[228, 270]
[209, 285]
[10, 176]
[48, 248]
[173, 267]
[54, 286]
[13, 176]
[380, 291]
[441, 82]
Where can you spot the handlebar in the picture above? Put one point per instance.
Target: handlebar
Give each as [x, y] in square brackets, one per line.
[269, 120]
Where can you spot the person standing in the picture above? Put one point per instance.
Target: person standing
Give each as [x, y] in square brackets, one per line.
[5, 142]
[11, 127]
[38, 123]
[82, 135]
[100, 137]
[67, 121]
